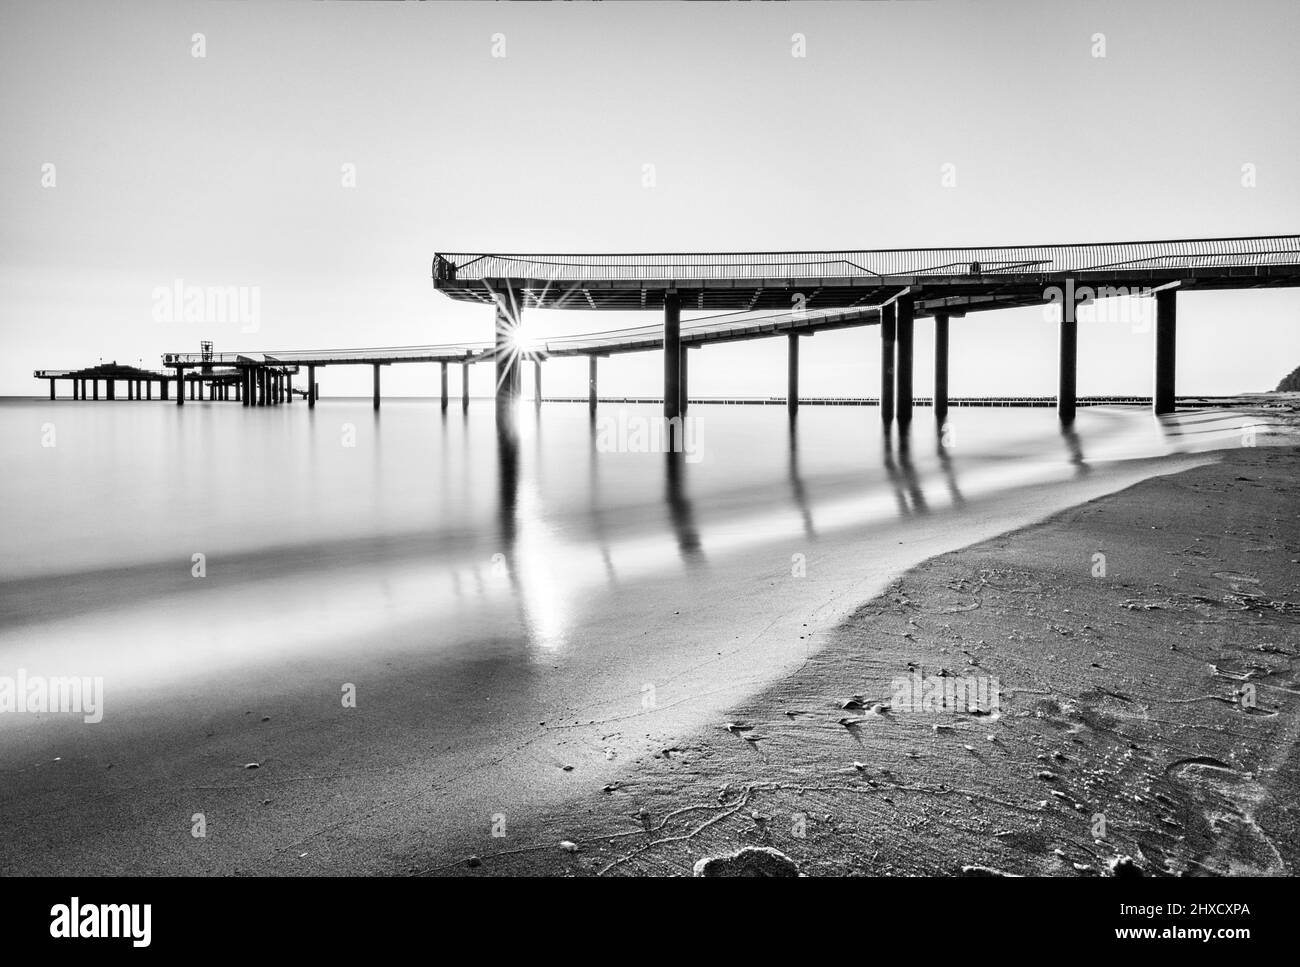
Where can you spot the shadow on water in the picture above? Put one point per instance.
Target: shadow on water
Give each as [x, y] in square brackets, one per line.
[902, 473]
[1075, 448]
[680, 513]
[599, 526]
[507, 479]
[797, 487]
[945, 464]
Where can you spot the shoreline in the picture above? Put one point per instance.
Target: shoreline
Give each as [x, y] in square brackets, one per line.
[447, 739]
[1122, 712]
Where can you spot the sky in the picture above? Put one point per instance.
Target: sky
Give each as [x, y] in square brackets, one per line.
[318, 154]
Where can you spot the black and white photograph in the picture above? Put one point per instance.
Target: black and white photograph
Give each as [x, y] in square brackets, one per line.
[639, 440]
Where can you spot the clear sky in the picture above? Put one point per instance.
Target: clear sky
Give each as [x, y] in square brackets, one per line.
[228, 169]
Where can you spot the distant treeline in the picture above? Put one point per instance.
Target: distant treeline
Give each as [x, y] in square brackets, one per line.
[1290, 383]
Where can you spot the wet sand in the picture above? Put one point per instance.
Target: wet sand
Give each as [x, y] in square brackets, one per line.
[1146, 712]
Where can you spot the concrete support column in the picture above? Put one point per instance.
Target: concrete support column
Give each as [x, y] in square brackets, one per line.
[591, 381]
[94, 386]
[509, 318]
[130, 389]
[685, 397]
[148, 389]
[672, 355]
[792, 373]
[1068, 377]
[464, 386]
[1166, 340]
[903, 374]
[888, 319]
[311, 386]
[51, 388]
[941, 368]
[164, 385]
[376, 395]
[288, 387]
[444, 384]
[112, 388]
[537, 382]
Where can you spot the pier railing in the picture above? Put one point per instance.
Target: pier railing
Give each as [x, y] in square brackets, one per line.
[972, 262]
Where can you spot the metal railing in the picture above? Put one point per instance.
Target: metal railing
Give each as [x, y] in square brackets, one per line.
[973, 262]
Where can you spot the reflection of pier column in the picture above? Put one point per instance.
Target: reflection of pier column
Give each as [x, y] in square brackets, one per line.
[1166, 333]
[591, 382]
[904, 369]
[1068, 376]
[941, 367]
[792, 373]
[672, 354]
[888, 316]
[507, 480]
[679, 507]
[443, 366]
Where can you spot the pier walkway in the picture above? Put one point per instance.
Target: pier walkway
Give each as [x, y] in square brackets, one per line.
[754, 295]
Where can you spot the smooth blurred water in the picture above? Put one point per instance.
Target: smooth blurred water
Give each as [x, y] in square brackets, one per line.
[321, 528]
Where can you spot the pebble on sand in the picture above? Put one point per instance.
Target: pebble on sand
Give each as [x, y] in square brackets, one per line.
[750, 861]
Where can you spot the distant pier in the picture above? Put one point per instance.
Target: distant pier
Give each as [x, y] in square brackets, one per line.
[756, 295]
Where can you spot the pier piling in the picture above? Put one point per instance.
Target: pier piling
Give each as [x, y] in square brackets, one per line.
[792, 373]
[1166, 345]
[888, 321]
[903, 336]
[672, 354]
[1067, 382]
[941, 367]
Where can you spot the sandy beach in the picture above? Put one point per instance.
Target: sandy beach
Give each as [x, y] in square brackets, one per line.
[1146, 716]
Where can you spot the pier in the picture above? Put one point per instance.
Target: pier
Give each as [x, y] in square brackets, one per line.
[755, 295]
